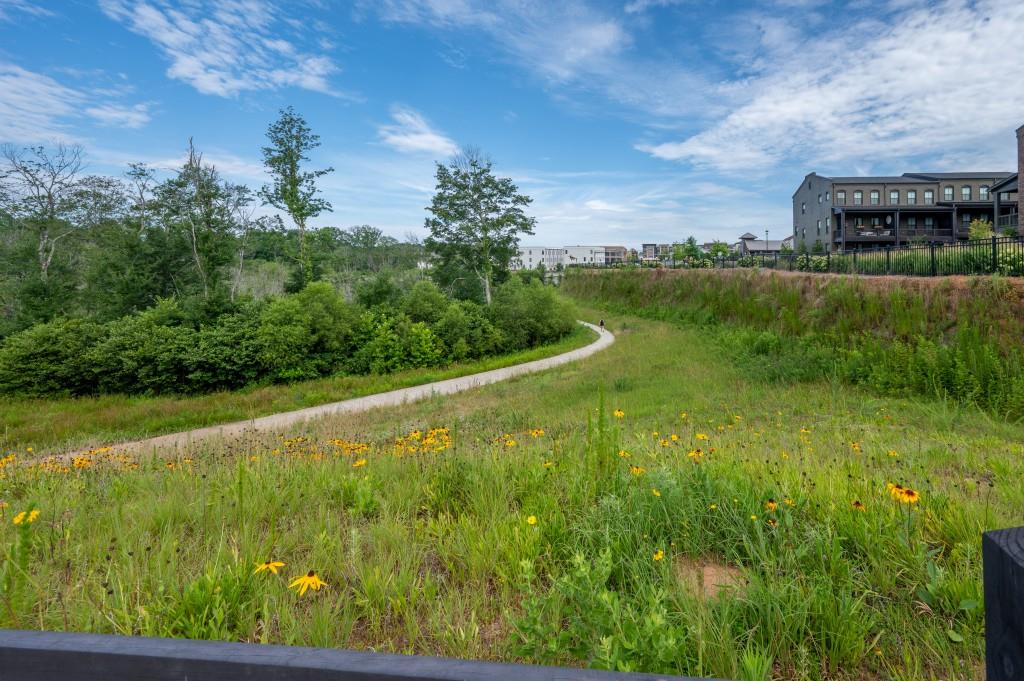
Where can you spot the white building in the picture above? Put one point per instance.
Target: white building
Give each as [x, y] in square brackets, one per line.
[583, 255]
[531, 256]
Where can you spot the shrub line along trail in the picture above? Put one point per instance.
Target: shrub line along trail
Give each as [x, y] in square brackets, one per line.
[391, 398]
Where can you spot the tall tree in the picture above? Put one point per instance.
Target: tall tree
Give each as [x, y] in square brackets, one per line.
[476, 220]
[294, 189]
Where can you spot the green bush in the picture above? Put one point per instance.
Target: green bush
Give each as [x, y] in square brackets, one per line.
[306, 335]
[49, 359]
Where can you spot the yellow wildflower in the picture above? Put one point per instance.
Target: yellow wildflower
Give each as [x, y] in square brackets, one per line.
[702, 436]
[618, 413]
[655, 492]
[308, 581]
[269, 566]
[531, 520]
[358, 463]
[658, 555]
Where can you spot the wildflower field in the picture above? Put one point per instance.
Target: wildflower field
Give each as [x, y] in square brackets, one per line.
[651, 508]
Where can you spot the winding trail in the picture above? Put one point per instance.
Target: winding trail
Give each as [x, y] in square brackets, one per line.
[391, 398]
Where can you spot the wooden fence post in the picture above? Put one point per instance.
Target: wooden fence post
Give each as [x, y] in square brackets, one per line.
[1003, 560]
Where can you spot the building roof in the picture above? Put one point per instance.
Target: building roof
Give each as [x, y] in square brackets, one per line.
[877, 179]
[958, 176]
[1007, 184]
[746, 236]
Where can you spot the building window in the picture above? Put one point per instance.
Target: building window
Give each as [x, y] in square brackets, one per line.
[947, 193]
[819, 198]
[819, 227]
[929, 197]
[858, 198]
[983, 192]
[828, 196]
[858, 222]
[803, 208]
[929, 223]
[894, 197]
[828, 224]
[876, 197]
[966, 220]
[912, 223]
[965, 192]
[876, 222]
[911, 197]
[841, 198]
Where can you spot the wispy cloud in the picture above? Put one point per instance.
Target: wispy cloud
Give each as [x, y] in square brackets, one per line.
[926, 81]
[37, 108]
[411, 133]
[10, 8]
[227, 47]
[120, 116]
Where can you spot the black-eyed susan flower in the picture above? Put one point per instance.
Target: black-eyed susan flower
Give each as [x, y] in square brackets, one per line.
[308, 581]
[623, 454]
[25, 517]
[637, 470]
[549, 464]
[358, 463]
[268, 566]
[702, 436]
[858, 505]
[658, 555]
[909, 496]
[618, 413]
[772, 522]
[531, 520]
[771, 505]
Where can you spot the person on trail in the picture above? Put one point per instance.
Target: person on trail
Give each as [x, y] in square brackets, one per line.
[601, 324]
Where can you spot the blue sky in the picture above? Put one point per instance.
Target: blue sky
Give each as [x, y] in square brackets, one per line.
[626, 120]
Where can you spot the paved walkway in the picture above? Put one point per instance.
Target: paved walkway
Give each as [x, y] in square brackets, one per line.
[276, 422]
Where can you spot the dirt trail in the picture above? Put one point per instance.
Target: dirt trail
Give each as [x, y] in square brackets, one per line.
[276, 422]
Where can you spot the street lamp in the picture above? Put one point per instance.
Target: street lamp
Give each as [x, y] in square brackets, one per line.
[764, 253]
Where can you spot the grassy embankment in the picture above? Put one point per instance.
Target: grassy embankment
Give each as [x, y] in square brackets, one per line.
[721, 525]
[955, 338]
[94, 421]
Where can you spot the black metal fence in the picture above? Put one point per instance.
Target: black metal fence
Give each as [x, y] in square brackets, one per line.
[996, 255]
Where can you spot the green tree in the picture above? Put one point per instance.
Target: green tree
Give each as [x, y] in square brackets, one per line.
[294, 189]
[476, 220]
[980, 229]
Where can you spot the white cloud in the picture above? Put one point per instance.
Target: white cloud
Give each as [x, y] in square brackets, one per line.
[411, 133]
[637, 6]
[36, 108]
[9, 8]
[227, 47]
[600, 205]
[120, 116]
[930, 80]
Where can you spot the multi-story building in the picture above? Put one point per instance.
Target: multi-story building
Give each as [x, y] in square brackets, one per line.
[615, 255]
[532, 256]
[842, 213]
[584, 255]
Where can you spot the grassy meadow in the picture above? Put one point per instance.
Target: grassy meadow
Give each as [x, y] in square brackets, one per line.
[81, 422]
[652, 508]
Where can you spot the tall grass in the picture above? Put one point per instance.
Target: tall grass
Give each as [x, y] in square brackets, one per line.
[674, 516]
[956, 339]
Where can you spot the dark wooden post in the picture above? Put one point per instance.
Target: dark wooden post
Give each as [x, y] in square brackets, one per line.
[1003, 558]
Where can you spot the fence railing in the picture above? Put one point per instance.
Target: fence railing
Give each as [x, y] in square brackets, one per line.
[52, 656]
[996, 255]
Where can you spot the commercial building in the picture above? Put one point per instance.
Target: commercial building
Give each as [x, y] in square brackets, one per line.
[568, 256]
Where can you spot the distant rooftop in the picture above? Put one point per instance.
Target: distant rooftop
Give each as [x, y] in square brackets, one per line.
[913, 178]
[960, 176]
[877, 179]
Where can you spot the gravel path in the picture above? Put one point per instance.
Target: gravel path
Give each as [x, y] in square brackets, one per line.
[276, 422]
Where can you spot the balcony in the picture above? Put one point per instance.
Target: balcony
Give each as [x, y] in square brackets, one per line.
[1010, 221]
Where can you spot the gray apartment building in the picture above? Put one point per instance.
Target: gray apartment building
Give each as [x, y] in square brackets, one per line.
[845, 213]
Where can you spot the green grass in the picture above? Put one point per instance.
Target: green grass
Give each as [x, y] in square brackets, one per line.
[434, 553]
[80, 422]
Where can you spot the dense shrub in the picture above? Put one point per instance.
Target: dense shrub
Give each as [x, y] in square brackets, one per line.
[48, 359]
[306, 335]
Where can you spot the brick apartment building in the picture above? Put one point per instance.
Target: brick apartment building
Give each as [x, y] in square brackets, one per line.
[845, 213]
